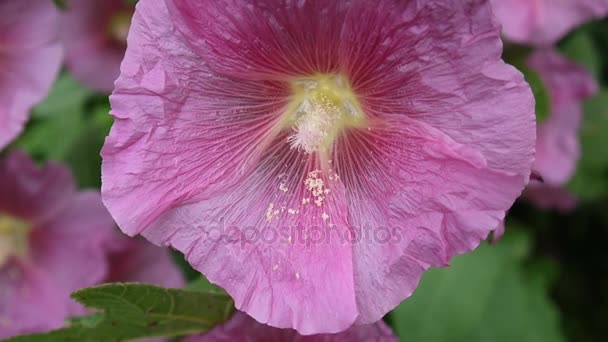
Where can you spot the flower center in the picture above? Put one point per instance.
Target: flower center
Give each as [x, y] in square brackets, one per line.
[14, 234]
[322, 107]
[119, 25]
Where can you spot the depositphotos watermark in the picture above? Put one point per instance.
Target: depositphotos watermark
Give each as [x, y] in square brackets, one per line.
[303, 235]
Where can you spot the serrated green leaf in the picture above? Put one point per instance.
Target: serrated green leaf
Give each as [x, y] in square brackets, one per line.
[483, 296]
[202, 284]
[133, 311]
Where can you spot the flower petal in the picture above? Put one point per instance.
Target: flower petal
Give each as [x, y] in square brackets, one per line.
[568, 84]
[30, 58]
[30, 192]
[86, 227]
[416, 198]
[136, 260]
[29, 301]
[242, 327]
[259, 241]
[181, 130]
[92, 57]
[543, 22]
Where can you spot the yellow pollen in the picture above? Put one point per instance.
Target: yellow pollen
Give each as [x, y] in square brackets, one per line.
[323, 105]
[14, 234]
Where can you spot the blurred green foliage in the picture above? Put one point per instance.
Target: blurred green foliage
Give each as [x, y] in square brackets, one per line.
[487, 295]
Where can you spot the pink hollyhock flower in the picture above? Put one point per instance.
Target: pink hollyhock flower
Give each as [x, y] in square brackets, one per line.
[94, 33]
[543, 22]
[30, 57]
[314, 158]
[557, 146]
[136, 260]
[244, 328]
[52, 242]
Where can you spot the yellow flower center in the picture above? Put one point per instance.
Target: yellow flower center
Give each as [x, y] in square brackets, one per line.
[119, 25]
[322, 106]
[14, 235]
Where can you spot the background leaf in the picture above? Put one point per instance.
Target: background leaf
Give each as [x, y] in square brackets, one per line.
[591, 179]
[483, 296]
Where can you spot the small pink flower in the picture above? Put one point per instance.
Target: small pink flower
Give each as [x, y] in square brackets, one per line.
[543, 22]
[244, 328]
[30, 57]
[52, 242]
[557, 145]
[94, 33]
[314, 157]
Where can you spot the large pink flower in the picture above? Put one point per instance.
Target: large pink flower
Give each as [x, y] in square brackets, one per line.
[95, 36]
[543, 22]
[30, 57]
[244, 328]
[314, 158]
[52, 241]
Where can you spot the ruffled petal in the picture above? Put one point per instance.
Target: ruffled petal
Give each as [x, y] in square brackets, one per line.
[286, 260]
[181, 130]
[416, 198]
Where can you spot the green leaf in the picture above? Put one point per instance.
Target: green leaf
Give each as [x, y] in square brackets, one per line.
[541, 95]
[133, 311]
[483, 296]
[60, 4]
[202, 284]
[517, 56]
[581, 48]
[70, 127]
[591, 179]
[56, 122]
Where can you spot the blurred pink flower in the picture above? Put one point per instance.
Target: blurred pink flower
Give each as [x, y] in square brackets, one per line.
[314, 158]
[551, 197]
[52, 242]
[543, 22]
[30, 57]
[94, 33]
[557, 144]
[244, 328]
[136, 260]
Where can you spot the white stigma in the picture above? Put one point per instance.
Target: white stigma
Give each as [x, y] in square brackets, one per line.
[314, 124]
